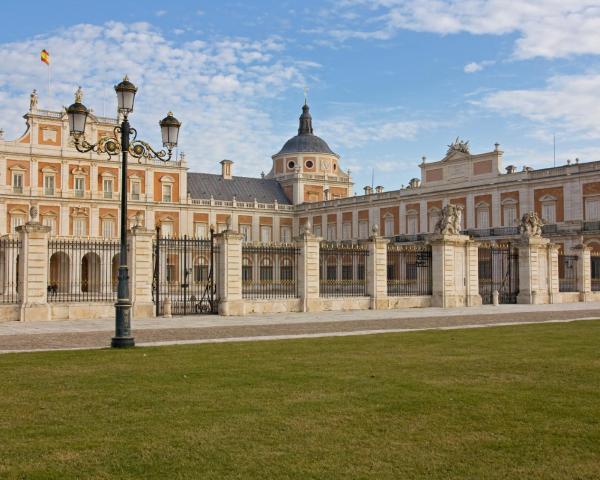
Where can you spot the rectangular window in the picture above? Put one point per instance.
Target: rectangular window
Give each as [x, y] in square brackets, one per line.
[592, 209]
[17, 181]
[136, 188]
[80, 227]
[48, 184]
[317, 230]
[549, 212]
[201, 230]
[363, 229]
[331, 232]
[483, 217]
[49, 221]
[388, 230]
[285, 234]
[347, 231]
[107, 187]
[16, 221]
[346, 272]
[166, 229]
[246, 232]
[108, 228]
[265, 233]
[412, 222]
[79, 186]
[510, 215]
[167, 191]
[266, 273]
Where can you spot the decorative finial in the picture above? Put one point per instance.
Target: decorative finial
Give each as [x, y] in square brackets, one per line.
[424, 159]
[305, 95]
[79, 95]
[126, 78]
[497, 145]
[33, 213]
[375, 230]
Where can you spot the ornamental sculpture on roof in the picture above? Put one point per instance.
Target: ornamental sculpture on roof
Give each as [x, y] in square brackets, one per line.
[458, 146]
[531, 225]
[450, 221]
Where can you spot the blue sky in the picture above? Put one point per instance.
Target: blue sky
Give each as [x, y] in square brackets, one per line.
[389, 80]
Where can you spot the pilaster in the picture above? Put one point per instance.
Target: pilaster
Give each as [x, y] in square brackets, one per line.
[140, 272]
[33, 267]
[535, 271]
[377, 272]
[308, 270]
[229, 279]
[584, 272]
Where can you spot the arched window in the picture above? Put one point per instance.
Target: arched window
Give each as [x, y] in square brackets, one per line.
[266, 270]
[246, 270]
[286, 270]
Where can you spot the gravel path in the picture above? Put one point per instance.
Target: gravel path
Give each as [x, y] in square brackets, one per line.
[26, 338]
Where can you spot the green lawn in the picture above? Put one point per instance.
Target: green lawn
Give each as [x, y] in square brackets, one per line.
[505, 402]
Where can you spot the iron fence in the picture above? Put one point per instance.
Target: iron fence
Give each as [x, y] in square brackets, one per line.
[408, 270]
[83, 270]
[595, 267]
[498, 268]
[567, 273]
[10, 250]
[185, 275]
[270, 271]
[342, 270]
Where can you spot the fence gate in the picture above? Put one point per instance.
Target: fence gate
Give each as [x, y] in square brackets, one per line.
[498, 270]
[185, 274]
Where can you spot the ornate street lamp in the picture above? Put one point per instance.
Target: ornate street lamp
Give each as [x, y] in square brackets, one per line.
[77, 114]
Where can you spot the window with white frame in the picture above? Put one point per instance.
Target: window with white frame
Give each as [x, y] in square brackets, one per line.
[347, 231]
[49, 179]
[50, 221]
[592, 208]
[200, 230]
[17, 181]
[412, 223]
[17, 218]
[166, 228]
[434, 216]
[548, 209]
[285, 233]
[108, 187]
[483, 215]
[80, 226]
[246, 232]
[331, 232]
[317, 231]
[79, 186]
[388, 225]
[266, 232]
[135, 188]
[363, 229]
[108, 227]
[509, 213]
[167, 192]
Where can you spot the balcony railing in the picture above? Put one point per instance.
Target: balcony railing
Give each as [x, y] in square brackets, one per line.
[108, 194]
[49, 192]
[18, 190]
[591, 226]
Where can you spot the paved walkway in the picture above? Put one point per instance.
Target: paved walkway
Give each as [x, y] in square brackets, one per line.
[58, 335]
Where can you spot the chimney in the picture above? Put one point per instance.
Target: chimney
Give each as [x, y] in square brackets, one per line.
[368, 190]
[511, 169]
[226, 169]
[378, 189]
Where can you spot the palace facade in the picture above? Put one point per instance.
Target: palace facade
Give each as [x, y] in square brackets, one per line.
[77, 194]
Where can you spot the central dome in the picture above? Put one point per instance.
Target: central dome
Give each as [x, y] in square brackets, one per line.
[306, 141]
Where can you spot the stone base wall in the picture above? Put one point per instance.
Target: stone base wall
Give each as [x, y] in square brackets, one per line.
[255, 306]
[10, 313]
[78, 311]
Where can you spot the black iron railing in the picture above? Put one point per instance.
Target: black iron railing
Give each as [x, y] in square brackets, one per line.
[567, 273]
[10, 250]
[408, 270]
[595, 267]
[185, 275]
[498, 266]
[343, 270]
[270, 271]
[82, 270]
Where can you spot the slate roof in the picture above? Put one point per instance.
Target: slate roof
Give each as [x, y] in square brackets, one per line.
[306, 142]
[244, 189]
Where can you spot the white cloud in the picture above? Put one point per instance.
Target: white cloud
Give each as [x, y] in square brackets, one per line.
[545, 28]
[160, 13]
[477, 66]
[568, 103]
[218, 89]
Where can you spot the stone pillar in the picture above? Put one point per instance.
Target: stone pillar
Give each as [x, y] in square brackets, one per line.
[229, 273]
[584, 272]
[454, 271]
[308, 269]
[553, 273]
[535, 278]
[141, 272]
[33, 272]
[377, 272]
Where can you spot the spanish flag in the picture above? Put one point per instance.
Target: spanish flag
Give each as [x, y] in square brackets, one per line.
[45, 57]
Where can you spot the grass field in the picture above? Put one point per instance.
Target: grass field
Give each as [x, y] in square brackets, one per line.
[504, 402]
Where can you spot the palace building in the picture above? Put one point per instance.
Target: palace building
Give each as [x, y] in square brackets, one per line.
[77, 194]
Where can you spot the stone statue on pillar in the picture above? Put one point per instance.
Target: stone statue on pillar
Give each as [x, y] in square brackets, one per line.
[531, 225]
[33, 101]
[450, 221]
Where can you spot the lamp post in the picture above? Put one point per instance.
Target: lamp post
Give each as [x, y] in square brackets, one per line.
[127, 145]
